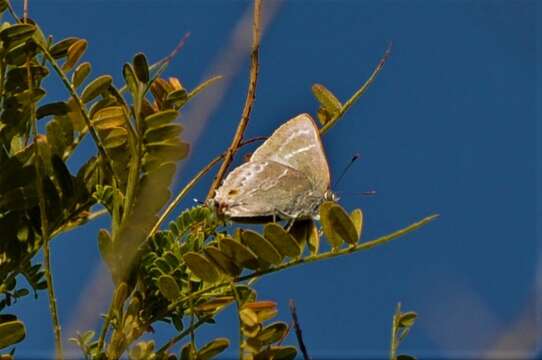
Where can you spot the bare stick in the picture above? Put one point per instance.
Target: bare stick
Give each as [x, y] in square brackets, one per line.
[298, 332]
[249, 102]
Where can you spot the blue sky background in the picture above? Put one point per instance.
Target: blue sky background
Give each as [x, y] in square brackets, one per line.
[449, 127]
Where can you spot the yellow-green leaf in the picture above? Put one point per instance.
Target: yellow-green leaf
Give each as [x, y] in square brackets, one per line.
[213, 348]
[168, 287]
[261, 247]
[11, 332]
[141, 67]
[160, 118]
[357, 219]
[239, 253]
[272, 333]
[108, 117]
[161, 133]
[283, 241]
[248, 317]
[81, 73]
[75, 52]
[326, 98]
[313, 240]
[16, 34]
[60, 49]
[222, 261]
[96, 87]
[201, 267]
[116, 136]
[337, 224]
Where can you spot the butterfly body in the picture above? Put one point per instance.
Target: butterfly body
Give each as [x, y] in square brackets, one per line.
[287, 176]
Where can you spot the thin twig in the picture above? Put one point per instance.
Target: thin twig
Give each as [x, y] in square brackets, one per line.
[25, 10]
[348, 104]
[296, 262]
[249, 101]
[298, 332]
[44, 224]
[182, 335]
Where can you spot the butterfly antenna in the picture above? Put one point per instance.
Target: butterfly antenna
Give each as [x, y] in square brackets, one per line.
[346, 168]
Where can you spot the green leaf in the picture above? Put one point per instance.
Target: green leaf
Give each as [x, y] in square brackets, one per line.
[405, 357]
[60, 49]
[130, 78]
[407, 319]
[222, 261]
[177, 97]
[357, 219]
[81, 73]
[277, 353]
[213, 348]
[16, 34]
[115, 137]
[272, 333]
[160, 118]
[109, 117]
[75, 52]
[105, 245]
[168, 287]
[314, 239]
[337, 224]
[162, 133]
[58, 137]
[239, 253]
[188, 352]
[261, 247]
[168, 151]
[11, 332]
[326, 99]
[96, 87]
[121, 294]
[201, 267]
[57, 108]
[283, 241]
[203, 86]
[248, 317]
[141, 67]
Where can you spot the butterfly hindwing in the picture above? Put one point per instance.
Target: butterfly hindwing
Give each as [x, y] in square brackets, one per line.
[267, 188]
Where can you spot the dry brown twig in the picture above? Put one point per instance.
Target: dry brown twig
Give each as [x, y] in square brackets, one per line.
[298, 332]
[249, 102]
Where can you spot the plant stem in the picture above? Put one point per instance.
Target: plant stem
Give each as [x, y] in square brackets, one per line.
[324, 256]
[182, 335]
[105, 327]
[298, 332]
[183, 193]
[249, 101]
[238, 303]
[393, 346]
[348, 104]
[44, 225]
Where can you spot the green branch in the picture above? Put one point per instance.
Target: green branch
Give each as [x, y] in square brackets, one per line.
[324, 256]
[348, 104]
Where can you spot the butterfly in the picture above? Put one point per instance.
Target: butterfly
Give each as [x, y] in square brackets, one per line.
[287, 176]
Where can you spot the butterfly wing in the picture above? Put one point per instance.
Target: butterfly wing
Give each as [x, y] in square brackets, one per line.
[297, 144]
[267, 188]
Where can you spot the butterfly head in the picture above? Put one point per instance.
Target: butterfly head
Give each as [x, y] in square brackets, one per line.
[331, 196]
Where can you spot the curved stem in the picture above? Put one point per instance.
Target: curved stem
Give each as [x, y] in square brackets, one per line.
[348, 104]
[324, 256]
[249, 102]
[44, 224]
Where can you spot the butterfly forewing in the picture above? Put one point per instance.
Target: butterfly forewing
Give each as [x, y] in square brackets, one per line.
[297, 144]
